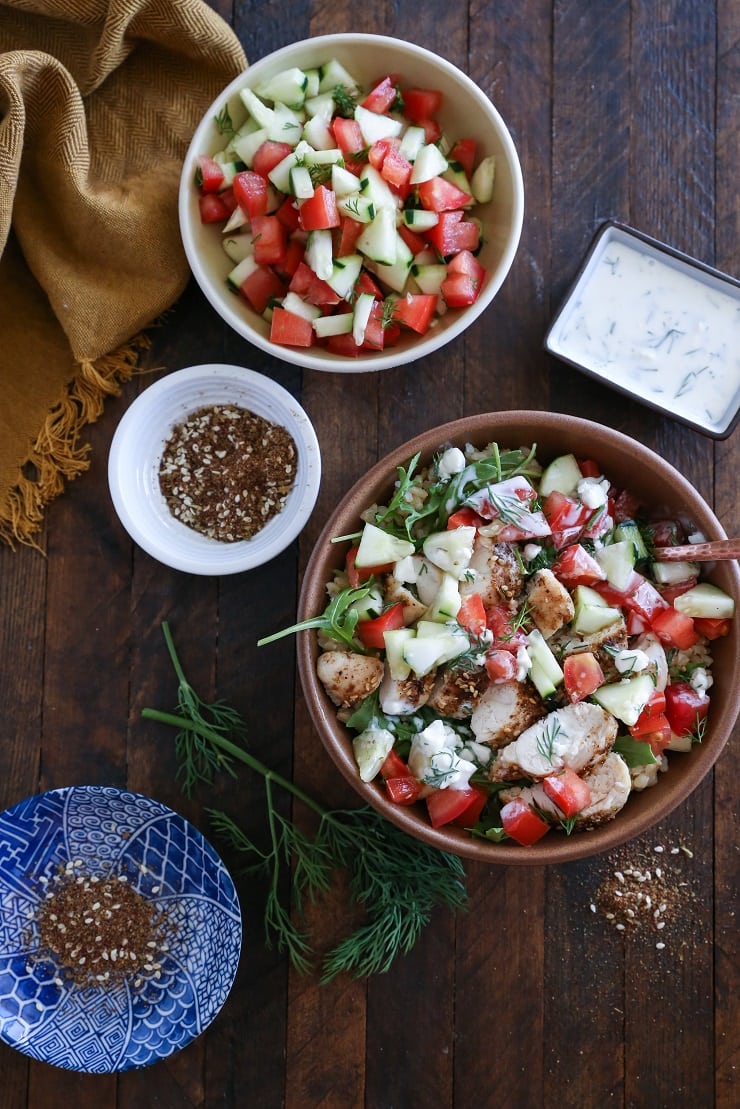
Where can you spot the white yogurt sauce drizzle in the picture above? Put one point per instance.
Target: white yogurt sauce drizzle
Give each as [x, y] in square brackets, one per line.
[661, 332]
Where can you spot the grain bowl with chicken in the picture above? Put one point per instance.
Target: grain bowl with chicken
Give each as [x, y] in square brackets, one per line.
[504, 650]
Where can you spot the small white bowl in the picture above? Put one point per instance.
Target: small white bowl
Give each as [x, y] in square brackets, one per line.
[466, 112]
[136, 453]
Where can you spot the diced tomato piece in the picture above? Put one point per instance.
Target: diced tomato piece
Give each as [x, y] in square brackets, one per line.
[566, 517]
[500, 622]
[250, 190]
[290, 330]
[684, 707]
[396, 170]
[569, 792]
[639, 596]
[371, 633]
[209, 177]
[365, 283]
[374, 337]
[522, 823]
[439, 195]
[381, 97]
[227, 196]
[466, 262]
[415, 310]
[472, 615]
[575, 566]
[268, 155]
[463, 152]
[394, 766]
[432, 130]
[655, 706]
[711, 627]
[674, 629]
[421, 104]
[359, 574]
[626, 506]
[658, 739]
[320, 211]
[471, 815]
[262, 286]
[212, 208]
[675, 589]
[667, 533]
[347, 135]
[446, 805]
[347, 235]
[294, 253]
[589, 468]
[501, 666]
[582, 675]
[416, 243]
[405, 790]
[377, 153]
[344, 345]
[452, 234]
[459, 290]
[287, 213]
[309, 287]
[270, 239]
[645, 724]
[464, 518]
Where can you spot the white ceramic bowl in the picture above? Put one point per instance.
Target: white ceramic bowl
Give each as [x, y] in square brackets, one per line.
[136, 453]
[466, 111]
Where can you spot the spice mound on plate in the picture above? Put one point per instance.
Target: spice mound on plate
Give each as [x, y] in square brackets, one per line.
[225, 472]
[100, 929]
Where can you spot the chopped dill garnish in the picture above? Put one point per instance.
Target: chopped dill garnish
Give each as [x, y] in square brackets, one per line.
[224, 123]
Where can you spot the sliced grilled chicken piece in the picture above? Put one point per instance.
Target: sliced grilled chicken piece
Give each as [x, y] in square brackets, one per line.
[610, 784]
[401, 698]
[504, 711]
[395, 591]
[550, 604]
[603, 645]
[457, 691]
[348, 677]
[577, 736]
[498, 575]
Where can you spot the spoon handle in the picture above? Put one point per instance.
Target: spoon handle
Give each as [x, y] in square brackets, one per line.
[700, 552]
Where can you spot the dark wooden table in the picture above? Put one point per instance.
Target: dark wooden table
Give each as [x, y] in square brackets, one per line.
[618, 109]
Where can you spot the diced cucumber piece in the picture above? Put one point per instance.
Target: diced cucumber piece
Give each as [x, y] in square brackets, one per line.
[626, 699]
[301, 185]
[706, 601]
[429, 278]
[237, 219]
[446, 604]
[326, 326]
[451, 550]
[592, 612]
[395, 641]
[561, 476]
[293, 303]
[360, 208]
[230, 170]
[329, 157]
[377, 189]
[369, 606]
[395, 276]
[483, 179]
[418, 219]
[242, 271]
[343, 182]
[316, 131]
[545, 673]
[344, 274]
[259, 112]
[279, 175]
[628, 529]
[361, 315]
[371, 748]
[424, 652]
[374, 126]
[618, 562]
[669, 573]
[332, 74]
[286, 126]
[457, 176]
[247, 146]
[288, 87]
[312, 82]
[378, 547]
[411, 143]
[319, 253]
[429, 163]
[321, 106]
[238, 247]
[379, 237]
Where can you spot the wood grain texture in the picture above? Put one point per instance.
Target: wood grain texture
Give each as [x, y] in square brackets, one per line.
[529, 999]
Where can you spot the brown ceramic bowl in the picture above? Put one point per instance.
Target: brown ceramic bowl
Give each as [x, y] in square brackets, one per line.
[627, 463]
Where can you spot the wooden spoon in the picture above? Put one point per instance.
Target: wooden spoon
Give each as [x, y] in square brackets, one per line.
[700, 552]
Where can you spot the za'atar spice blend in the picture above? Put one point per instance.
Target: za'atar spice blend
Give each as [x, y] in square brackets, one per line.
[225, 472]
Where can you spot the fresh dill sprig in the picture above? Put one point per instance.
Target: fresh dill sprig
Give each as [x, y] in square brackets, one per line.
[345, 100]
[395, 879]
[699, 731]
[546, 741]
[224, 123]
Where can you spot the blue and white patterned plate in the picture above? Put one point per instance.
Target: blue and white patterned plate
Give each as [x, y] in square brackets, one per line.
[119, 1026]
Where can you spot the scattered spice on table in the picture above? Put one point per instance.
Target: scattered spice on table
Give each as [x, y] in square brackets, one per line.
[99, 929]
[225, 472]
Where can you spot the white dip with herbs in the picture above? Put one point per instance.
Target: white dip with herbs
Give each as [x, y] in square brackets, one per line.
[657, 330]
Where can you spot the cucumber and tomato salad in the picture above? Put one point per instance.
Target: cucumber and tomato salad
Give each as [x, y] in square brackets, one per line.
[348, 216]
[601, 556]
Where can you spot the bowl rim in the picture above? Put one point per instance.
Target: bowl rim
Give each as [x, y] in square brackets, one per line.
[426, 344]
[336, 739]
[231, 558]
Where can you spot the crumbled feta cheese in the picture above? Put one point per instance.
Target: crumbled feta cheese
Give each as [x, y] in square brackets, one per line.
[697, 537]
[593, 492]
[434, 757]
[406, 569]
[631, 661]
[450, 463]
[530, 551]
[523, 664]
[701, 680]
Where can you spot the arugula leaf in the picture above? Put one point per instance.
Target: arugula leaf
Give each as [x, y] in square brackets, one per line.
[338, 620]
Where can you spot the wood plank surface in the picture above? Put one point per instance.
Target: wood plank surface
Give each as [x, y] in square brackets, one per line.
[531, 999]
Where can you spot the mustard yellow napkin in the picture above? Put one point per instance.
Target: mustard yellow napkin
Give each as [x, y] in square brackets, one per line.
[98, 101]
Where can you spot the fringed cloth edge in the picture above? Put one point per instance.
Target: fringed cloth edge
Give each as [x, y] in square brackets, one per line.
[59, 455]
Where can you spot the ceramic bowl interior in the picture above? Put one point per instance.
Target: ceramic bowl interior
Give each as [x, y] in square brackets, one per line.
[466, 112]
[136, 454]
[627, 463]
